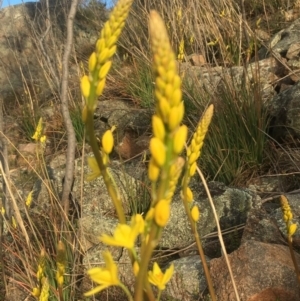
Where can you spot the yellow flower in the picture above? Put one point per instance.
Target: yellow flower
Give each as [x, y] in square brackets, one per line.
[180, 138]
[29, 199]
[105, 277]
[292, 229]
[158, 278]
[44, 296]
[153, 171]
[38, 131]
[136, 268]
[158, 127]
[158, 151]
[162, 213]
[85, 86]
[36, 292]
[14, 222]
[43, 139]
[125, 235]
[195, 213]
[60, 263]
[95, 169]
[107, 141]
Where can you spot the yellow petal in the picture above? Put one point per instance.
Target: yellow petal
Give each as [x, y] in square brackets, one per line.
[180, 139]
[85, 86]
[292, 229]
[195, 213]
[92, 62]
[107, 142]
[158, 127]
[158, 151]
[162, 213]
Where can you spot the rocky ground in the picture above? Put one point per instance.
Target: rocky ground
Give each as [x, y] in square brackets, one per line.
[250, 216]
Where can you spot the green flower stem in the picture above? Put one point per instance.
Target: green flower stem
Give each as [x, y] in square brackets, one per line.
[294, 258]
[142, 279]
[107, 179]
[125, 289]
[197, 238]
[165, 174]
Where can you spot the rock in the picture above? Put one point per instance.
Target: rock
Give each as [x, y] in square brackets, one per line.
[261, 226]
[284, 110]
[132, 125]
[266, 72]
[293, 200]
[261, 272]
[196, 59]
[188, 281]
[232, 206]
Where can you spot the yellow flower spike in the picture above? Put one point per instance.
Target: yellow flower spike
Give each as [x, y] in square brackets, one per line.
[36, 292]
[2, 210]
[43, 139]
[104, 69]
[153, 171]
[108, 142]
[180, 139]
[44, 296]
[125, 235]
[103, 56]
[158, 278]
[158, 151]
[292, 229]
[100, 87]
[92, 61]
[100, 44]
[160, 84]
[85, 86]
[60, 263]
[14, 222]
[162, 212]
[95, 169]
[38, 131]
[41, 266]
[164, 108]
[198, 137]
[150, 214]
[158, 128]
[175, 173]
[136, 268]
[105, 277]
[176, 97]
[29, 199]
[189, 194]
[175, 117]
[192, 169]
[195, 214]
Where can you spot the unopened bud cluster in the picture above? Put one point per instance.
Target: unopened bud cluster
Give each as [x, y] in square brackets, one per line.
[288, 216]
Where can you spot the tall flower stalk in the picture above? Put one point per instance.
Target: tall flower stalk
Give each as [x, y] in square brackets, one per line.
[92, 86]
[165, 165]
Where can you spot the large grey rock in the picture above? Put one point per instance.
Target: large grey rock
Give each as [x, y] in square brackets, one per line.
[285, 112]
[232, 206]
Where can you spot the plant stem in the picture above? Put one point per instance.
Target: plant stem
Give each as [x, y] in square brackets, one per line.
[198, 242]
[294, 258]
[106, 177]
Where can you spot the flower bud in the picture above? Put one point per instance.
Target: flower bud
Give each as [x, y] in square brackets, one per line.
[107, 142]
[162, 213]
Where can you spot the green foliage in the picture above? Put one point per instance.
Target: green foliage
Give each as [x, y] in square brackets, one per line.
[27, 123]
[140, 85]
[235, 147]
[78, 124]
